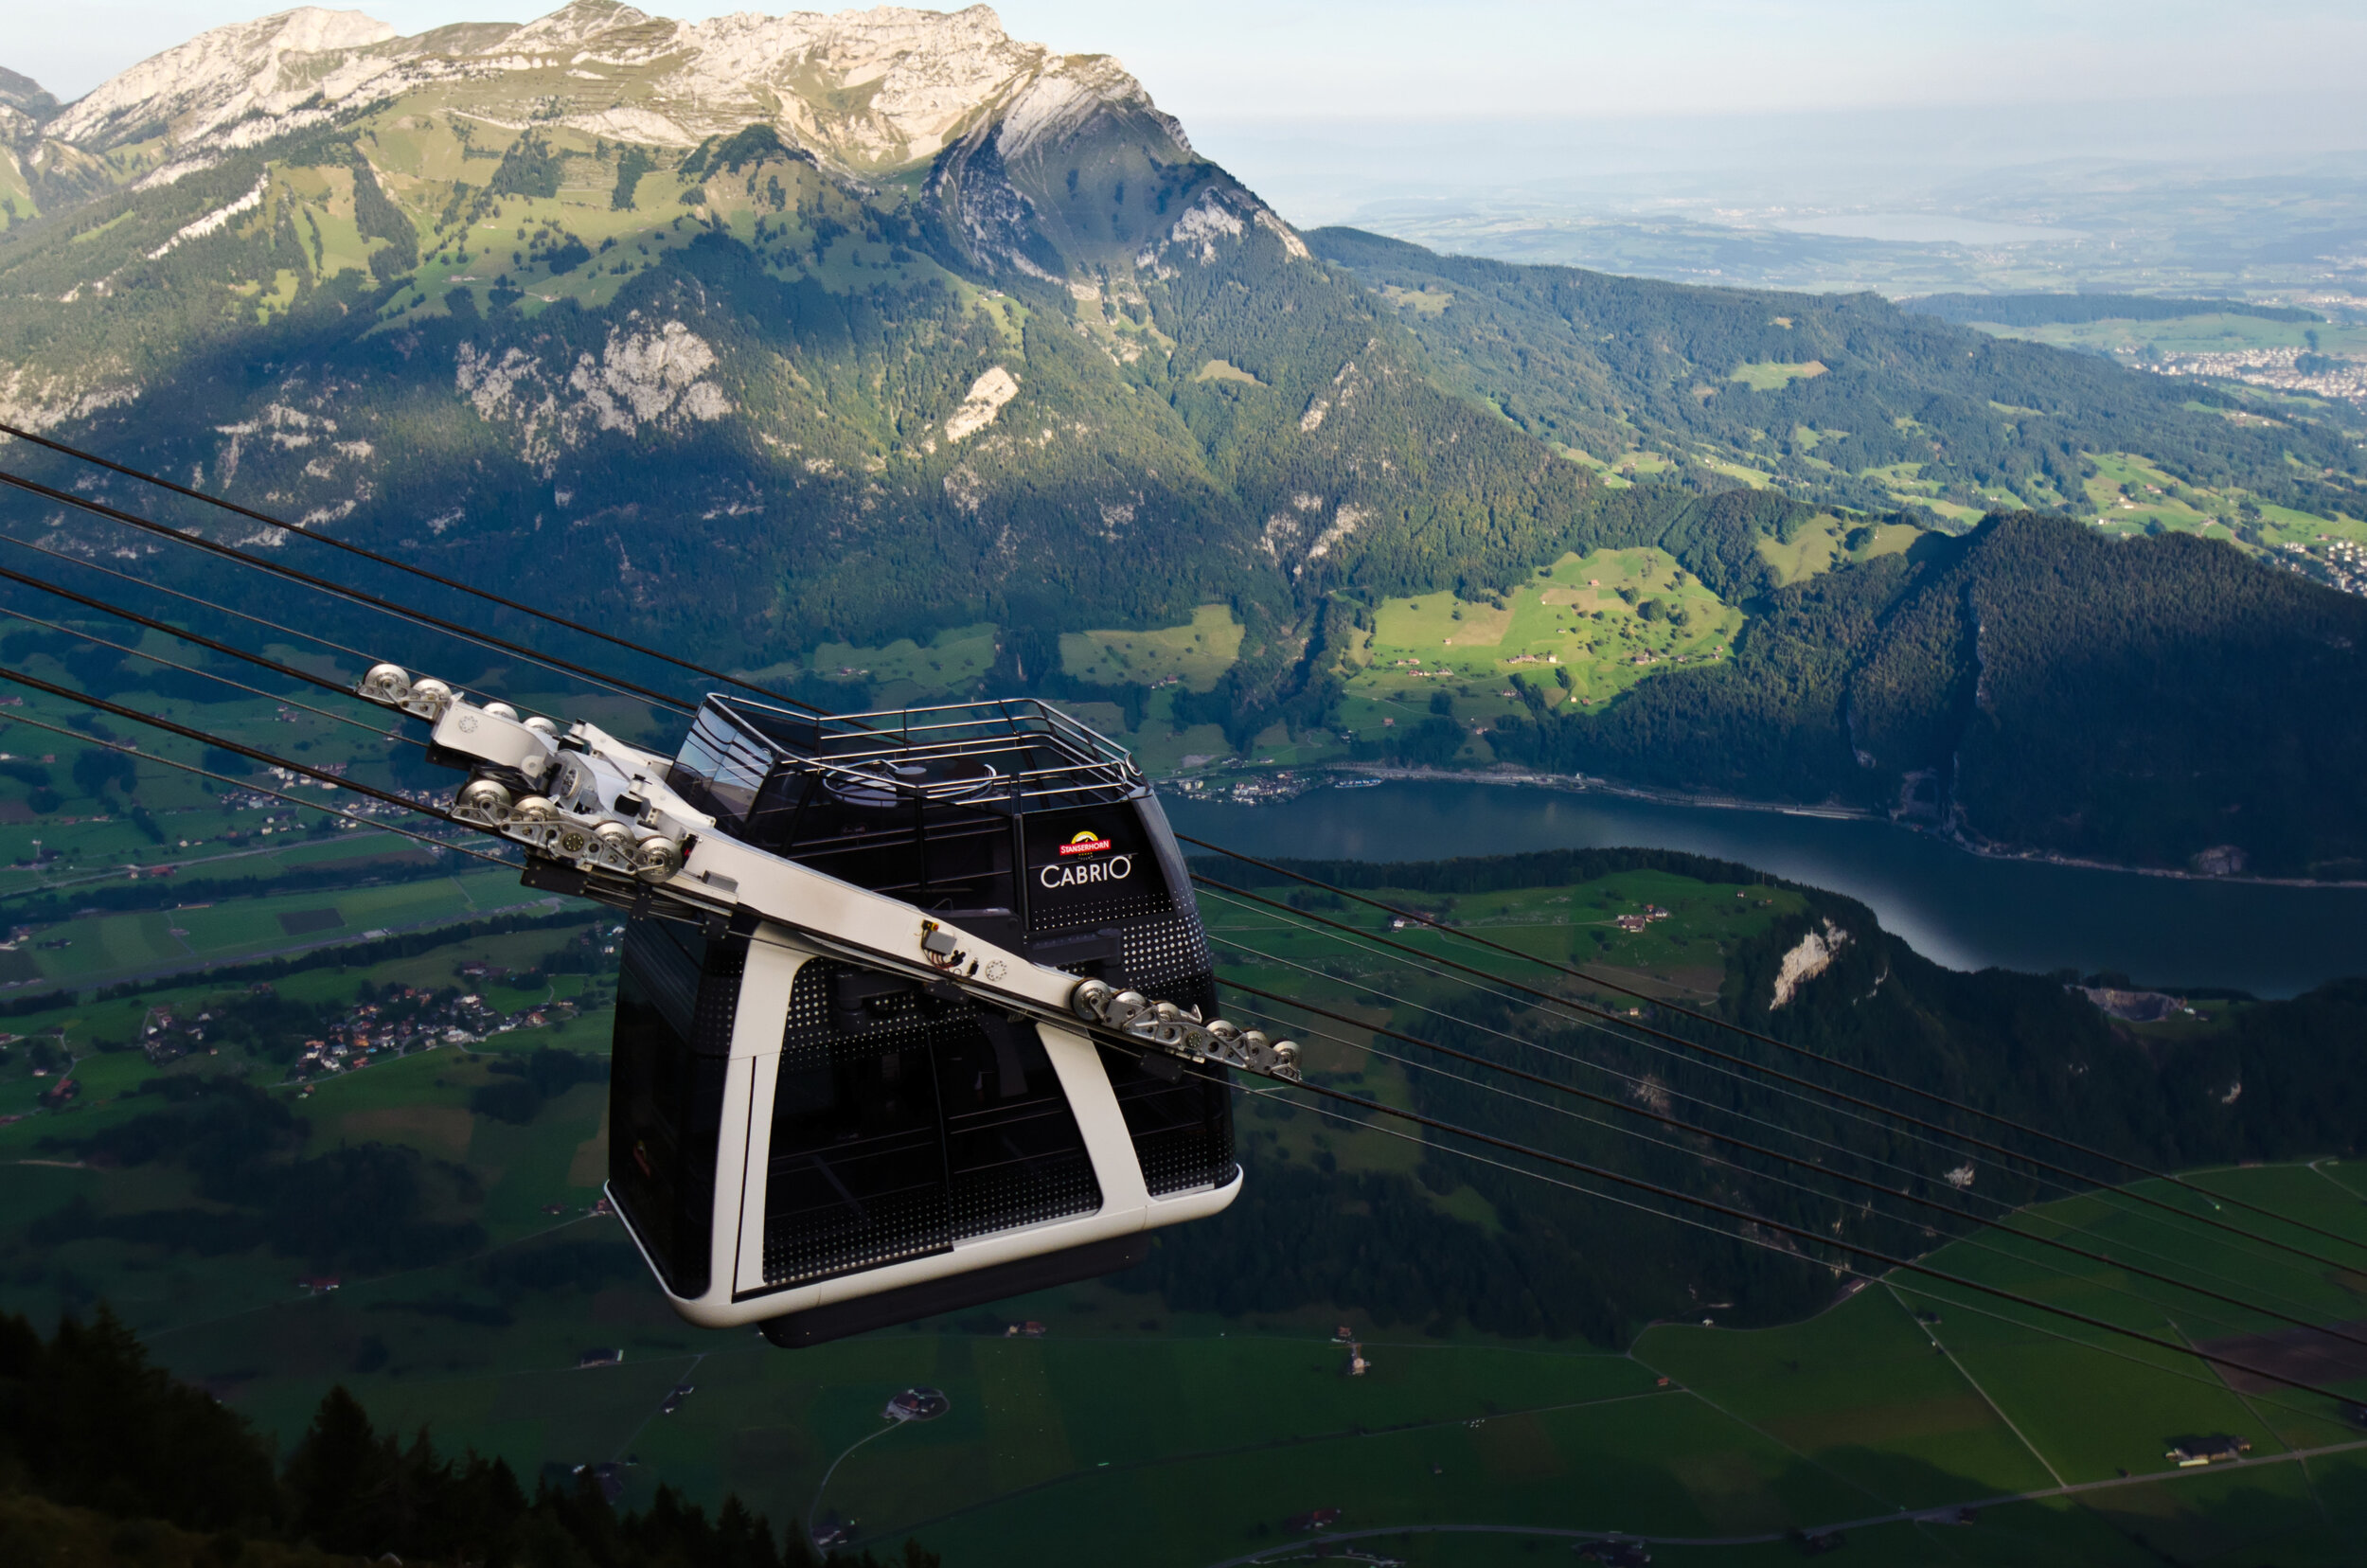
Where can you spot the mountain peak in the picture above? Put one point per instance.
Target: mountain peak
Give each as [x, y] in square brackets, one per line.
[268, 65]
[867, 90]
[575, 24]
[26, 96]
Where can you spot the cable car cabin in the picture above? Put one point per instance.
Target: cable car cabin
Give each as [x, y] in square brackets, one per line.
[826, 1149]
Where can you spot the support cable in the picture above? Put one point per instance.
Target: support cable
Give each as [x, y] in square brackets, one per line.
[371, 791]
[2059, 1188]
[355, 596]
[2107, 1195]
[291, 671]
[1840, 1095]
[423, 573]
[1801, 1233]
[1744, 1030]
[2212, 1380]
[1863, 1183]
[1434, 1124]
[276, 794]
[350, 548]
[1729, 1074]
[1974, 1241]
[367, 657]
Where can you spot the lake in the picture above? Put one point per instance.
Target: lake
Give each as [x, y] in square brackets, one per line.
[1957, 909]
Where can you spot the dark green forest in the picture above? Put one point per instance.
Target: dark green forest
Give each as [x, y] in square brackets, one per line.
[2137, 702]
[105, 1457]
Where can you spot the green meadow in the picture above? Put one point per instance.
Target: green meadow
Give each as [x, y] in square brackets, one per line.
[1606, 620]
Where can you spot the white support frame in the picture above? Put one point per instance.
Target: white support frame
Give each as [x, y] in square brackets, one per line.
[737, 1294]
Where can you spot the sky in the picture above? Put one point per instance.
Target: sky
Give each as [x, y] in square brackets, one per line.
[1325, 96]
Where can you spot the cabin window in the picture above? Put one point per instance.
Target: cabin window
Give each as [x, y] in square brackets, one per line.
[676, 996]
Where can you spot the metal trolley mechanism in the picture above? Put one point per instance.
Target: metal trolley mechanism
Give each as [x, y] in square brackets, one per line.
[913, 1011]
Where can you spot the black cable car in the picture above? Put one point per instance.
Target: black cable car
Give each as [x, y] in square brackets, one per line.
[909, 1152]
[850, 1087]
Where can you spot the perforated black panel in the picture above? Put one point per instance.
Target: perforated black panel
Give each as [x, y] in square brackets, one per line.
[1106, 910]
[1167, 959]
[902, 1124]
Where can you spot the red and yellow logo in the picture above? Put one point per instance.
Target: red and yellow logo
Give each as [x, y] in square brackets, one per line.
[1085, 842]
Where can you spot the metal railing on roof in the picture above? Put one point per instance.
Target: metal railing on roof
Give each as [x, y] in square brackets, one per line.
[1045, 755]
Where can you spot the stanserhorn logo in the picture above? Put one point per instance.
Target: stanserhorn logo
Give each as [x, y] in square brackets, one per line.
[1086, 873]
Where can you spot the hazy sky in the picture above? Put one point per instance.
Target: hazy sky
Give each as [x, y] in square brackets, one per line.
[1517, 57]
[1304, 94]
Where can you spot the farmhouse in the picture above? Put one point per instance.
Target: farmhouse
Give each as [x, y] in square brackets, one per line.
[2191, 1453]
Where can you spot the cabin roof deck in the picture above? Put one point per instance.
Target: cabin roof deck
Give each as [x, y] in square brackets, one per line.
[1019, 755]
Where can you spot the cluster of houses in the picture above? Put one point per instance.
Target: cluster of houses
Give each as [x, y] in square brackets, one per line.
[415, 1019]
[2291, 368]
[1638, 922]
[2342, 565]
[1272, 788]
[166, 1036]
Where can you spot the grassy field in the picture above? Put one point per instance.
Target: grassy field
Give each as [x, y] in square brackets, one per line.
[1133, 1432]
[904, 671]
[1826, 542]
[1175, 1440]
[1193, 656]
[1681, 953]
[2208, 333]
[102, 948]
[2131, 496]
[1586, 615]
[1774, 375]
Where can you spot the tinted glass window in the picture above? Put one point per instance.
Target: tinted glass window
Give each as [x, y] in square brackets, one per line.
[1013, 1151]
[675, 998]
[719, 770]
[936, 857]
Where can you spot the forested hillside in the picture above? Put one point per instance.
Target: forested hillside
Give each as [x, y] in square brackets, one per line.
[111, 1459]
[2141, 700]
[1848, 399]
[808, 379]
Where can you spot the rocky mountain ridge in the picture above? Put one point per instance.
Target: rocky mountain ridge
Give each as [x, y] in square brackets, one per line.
[863, 90]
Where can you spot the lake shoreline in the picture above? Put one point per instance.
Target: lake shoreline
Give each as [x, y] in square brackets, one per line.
[1965, 911]
[1586, 784]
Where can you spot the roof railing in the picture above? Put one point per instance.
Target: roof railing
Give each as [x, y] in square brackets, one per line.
[852, 749]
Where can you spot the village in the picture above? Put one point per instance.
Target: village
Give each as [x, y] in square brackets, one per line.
[402, 1021]
[2286, 369]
